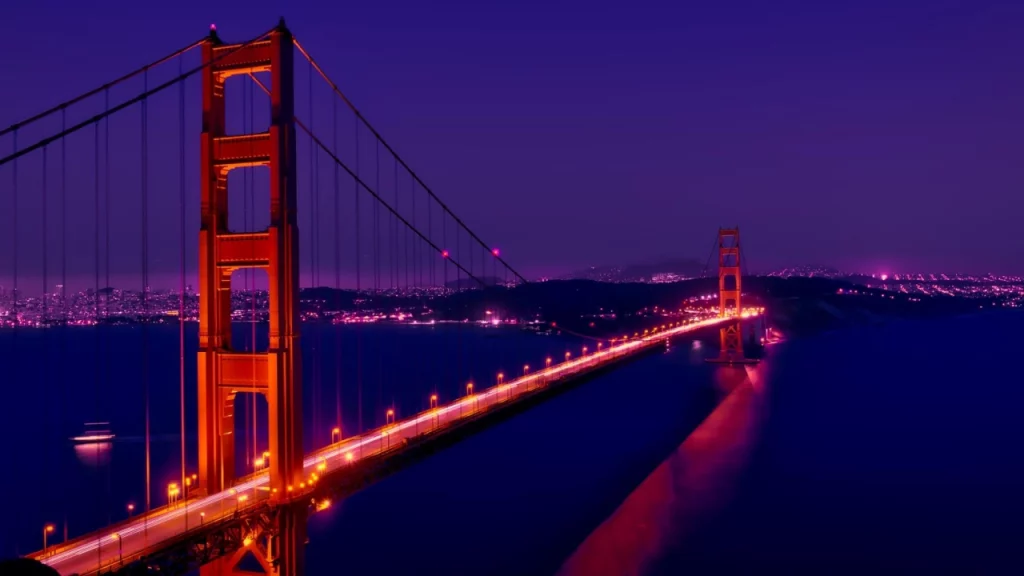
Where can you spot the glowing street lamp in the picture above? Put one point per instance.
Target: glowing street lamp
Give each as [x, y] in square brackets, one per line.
[47, 529]
[202, 516]
[131, 508]
[238, 501]
[567, 354]
[172, 492]
[335, 432]
[584, 350]
[389, 417]
[259, 463]
[433, 401]
[469, 389]
[120, 549]
[547, 362]
[526, 368]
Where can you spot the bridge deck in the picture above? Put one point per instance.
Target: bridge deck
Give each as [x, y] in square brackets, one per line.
[111, 547]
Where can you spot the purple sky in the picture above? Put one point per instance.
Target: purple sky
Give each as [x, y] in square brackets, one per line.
[877, 136]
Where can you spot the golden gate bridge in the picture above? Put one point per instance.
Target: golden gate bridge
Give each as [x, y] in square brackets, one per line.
[215, 516]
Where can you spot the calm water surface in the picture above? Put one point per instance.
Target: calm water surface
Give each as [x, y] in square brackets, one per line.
[892, 448]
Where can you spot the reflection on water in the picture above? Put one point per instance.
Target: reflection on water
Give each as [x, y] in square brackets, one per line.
[693, 481]
[94, 455]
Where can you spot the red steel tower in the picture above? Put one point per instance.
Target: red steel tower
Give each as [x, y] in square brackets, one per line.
[224, 372]
[729, 290]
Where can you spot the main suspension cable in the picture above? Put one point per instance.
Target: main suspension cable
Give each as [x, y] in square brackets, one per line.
[360, 183]
[104, 88]
[109, 111]
[383, 142]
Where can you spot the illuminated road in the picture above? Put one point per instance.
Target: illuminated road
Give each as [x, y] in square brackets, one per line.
[106, 548]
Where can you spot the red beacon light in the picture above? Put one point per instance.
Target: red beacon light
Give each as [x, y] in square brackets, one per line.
[444, 253]
[496, 252]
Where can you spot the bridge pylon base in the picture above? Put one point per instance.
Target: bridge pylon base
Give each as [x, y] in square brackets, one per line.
[278, 547]
[732, 346]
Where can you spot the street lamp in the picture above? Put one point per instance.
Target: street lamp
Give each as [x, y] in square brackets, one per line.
[172, 492]
[131, 508]
[567, 356]
[120, 549]
[47, 529]
[584, 350]
[547, 362]
[259, 463]
[469, 389]
[389, 417]
[335, 432]
[238, 501]
[433, 400]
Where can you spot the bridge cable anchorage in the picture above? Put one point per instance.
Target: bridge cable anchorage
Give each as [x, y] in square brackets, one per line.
[360, 183]
[110, 111]
[104, 88]
[391, 150]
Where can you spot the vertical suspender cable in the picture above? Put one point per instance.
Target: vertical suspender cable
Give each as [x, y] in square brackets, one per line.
[106, 232]
[15, 357]
[63, 304]
[46, 322]
[376, 273]
[145, 279]
[96, 295]
[312, 237]
[359, 288]
[181, 265]
[337, 282]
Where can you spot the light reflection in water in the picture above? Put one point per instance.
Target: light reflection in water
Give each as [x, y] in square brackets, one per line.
[94, 454]
[695, 480]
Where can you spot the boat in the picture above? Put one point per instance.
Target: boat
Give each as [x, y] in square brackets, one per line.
[95, 432]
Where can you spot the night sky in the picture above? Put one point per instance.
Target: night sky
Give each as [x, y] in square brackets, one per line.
[874, 136]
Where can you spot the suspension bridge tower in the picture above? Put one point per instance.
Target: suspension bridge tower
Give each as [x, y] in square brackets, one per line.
[223, 371]
[729, 306]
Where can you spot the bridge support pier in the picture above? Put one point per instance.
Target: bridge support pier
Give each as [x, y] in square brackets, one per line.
[274, 547]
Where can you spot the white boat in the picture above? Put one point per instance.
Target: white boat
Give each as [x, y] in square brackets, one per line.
[95, 432]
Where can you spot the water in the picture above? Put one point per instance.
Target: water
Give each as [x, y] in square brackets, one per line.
[878, 449]
[56, 380]
[892, 449]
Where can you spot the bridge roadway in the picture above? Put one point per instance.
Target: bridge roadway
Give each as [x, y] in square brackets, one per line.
[109, 548]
